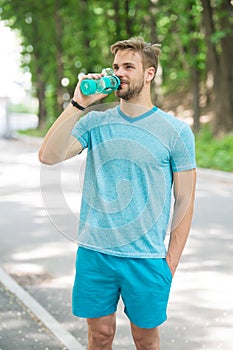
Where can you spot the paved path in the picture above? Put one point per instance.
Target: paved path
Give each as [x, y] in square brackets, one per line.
[36, 254]
[20, 328]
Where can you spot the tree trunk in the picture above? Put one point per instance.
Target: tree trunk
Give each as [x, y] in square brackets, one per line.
[128, 21]
[210, 30]
[195, 74]
[117, 20]
[59, 64]
[41, 100]
[224, 83]
[196, 99]
[84, 6]
[221, 64]
[150, 23]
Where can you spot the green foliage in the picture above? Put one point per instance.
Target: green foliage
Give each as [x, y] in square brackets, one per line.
[214, 152]
[22, 108]
[33, 132]
[62, 38]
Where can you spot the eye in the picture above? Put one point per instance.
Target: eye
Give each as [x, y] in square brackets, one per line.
[129, 66]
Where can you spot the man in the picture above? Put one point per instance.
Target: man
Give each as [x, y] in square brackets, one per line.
[136, 152]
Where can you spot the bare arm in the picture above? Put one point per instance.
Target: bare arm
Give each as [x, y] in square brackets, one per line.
[184, 192]
[58, 143]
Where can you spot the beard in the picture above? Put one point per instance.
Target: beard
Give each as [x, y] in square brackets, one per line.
[132, 91]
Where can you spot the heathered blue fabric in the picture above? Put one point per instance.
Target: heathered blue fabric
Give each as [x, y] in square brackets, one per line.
[128, 178]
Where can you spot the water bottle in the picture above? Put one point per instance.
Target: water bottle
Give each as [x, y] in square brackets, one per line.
[105, 85]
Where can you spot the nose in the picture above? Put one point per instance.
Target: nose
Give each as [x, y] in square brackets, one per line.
[120, 72]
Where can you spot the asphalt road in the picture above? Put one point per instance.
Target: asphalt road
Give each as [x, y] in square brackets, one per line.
[37, 233]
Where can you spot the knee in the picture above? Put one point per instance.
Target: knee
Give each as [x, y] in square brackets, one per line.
[102, 337]
[143, 343]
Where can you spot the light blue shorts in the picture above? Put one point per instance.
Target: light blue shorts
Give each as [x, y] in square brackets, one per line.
[143, 284]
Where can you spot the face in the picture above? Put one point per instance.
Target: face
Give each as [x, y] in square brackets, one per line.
[128, 67]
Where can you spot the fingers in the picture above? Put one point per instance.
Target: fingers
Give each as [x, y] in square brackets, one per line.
[90, 99]
[95, 76]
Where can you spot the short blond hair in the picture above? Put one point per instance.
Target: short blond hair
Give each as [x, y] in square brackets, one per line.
[149, 52]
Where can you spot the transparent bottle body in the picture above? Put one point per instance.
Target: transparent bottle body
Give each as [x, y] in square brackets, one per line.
[100, 85]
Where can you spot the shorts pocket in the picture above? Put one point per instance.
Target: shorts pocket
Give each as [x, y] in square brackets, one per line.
[167, 269]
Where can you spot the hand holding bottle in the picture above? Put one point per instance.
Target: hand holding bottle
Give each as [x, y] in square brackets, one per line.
[106, 84]
[93, 87]
[86, 100]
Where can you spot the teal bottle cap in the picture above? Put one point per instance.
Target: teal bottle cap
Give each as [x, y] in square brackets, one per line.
[88, 86]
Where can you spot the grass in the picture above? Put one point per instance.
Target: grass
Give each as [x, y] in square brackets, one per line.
[211, 152]
[214, 152]
[33, 132]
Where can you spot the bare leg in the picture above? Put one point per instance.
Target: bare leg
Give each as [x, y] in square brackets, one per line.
[101, 332]
[146, 339]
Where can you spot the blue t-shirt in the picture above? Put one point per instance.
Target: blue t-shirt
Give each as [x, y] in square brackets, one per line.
[128, 179]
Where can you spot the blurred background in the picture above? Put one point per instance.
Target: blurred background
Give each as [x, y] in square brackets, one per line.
[45, 45]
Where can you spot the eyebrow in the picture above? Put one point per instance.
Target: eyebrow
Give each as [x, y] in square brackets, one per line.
[124, 64]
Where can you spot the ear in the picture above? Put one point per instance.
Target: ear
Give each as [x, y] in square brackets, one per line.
[150, 73]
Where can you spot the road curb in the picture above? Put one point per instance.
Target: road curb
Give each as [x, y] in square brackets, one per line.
[40, 312]
[221, 175]
[217, 173]
[228, 176]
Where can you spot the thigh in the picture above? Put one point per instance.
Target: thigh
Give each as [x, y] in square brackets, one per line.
[145, 291]
[95, 290]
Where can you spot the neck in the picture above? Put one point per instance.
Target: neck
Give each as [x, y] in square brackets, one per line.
[136, 106]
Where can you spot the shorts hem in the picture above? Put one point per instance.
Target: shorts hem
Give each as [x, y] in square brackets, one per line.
[83, 315]
[148, 325]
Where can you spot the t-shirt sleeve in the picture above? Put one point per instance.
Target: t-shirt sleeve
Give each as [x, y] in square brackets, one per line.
[81, 131]
[183, 151]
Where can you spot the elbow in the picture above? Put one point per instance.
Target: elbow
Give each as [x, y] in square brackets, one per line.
[46, 159]
[43, 159]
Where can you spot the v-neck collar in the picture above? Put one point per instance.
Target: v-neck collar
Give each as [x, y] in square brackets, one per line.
[135, 119]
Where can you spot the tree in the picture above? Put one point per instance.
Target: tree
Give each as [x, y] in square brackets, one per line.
[218, 20]
[37, 30]
[65, 37]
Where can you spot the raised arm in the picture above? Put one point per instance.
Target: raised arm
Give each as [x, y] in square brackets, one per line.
[184, 192]
[58, 143]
